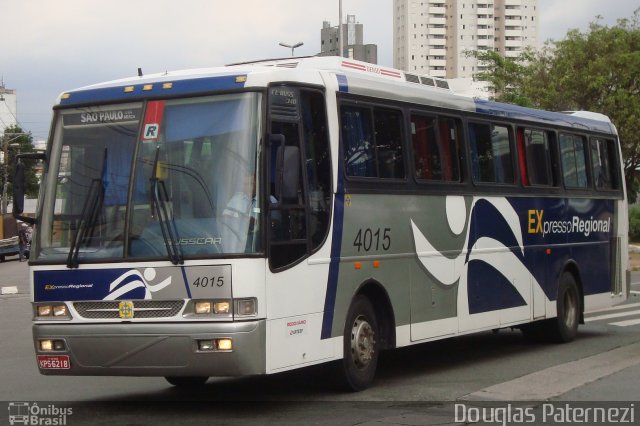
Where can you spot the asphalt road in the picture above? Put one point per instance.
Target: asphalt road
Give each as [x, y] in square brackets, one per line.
[423, 384]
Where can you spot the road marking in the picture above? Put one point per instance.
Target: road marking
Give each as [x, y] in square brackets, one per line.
[560, 379]
[626, 323]
[635, 292]
[615, 308]
[609, 316]
[9, 290]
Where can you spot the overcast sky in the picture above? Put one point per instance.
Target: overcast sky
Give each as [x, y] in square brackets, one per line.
[48, 46]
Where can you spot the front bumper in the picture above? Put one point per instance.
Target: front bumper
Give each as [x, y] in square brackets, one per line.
[156, 349]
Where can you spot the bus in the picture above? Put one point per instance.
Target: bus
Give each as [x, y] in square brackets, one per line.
[262, 217]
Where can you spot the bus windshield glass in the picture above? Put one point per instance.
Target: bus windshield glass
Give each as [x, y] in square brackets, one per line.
[172, 179]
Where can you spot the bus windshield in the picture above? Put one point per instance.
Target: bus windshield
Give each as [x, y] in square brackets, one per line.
[172, 179]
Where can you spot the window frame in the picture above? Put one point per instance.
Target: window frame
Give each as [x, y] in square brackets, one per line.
[514, 166]
[589, 185]
[614, 165]
[371, 107]
[459, 155]
[552, 157]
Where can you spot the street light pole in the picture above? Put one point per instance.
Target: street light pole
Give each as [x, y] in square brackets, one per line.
[291, 46]
[340, 31]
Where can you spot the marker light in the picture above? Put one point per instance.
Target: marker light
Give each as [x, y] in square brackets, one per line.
[203, 307]
[246, 307]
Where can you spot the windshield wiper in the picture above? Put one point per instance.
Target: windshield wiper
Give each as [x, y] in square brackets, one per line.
[168, 227]
[90, 214]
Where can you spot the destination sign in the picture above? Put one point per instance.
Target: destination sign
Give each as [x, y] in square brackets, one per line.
[102, 117]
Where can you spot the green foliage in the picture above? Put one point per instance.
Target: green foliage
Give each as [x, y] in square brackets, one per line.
[595, 71]
[634, 223]
[19, 142]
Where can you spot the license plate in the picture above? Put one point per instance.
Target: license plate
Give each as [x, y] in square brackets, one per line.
[54, 362]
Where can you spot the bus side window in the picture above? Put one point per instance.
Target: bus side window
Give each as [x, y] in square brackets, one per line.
[372, 142]
[435, 148]
[535, 146]
[490, 153]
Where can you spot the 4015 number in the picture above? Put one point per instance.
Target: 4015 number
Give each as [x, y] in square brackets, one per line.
[205, 282]
[373, 239]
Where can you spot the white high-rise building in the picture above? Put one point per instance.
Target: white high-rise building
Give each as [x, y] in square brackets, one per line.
[432, 36]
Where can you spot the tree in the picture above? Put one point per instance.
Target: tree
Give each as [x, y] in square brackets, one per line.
[18, 141]
[596, 71]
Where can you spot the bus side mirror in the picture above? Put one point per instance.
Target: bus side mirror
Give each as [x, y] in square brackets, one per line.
[19, 187]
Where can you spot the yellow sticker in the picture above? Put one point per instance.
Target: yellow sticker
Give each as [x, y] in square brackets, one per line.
[347, 200]
[125, 309]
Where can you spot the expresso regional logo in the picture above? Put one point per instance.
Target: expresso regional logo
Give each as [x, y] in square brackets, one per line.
[576, 225]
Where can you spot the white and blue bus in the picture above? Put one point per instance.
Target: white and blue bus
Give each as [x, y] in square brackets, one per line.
[262, 217]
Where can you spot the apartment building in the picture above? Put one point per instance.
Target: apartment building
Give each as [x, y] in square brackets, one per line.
[432, 36]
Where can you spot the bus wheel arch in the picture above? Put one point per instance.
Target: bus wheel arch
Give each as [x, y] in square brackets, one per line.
[368, 329]
[572, 268]
[570, 306]
[379, 298]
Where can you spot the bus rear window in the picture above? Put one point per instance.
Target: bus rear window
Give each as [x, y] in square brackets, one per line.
[603, 160]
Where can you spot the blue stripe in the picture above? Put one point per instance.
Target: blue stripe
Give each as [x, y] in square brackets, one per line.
[342, 83]
[181, 87]
[547, 117]
[186, 282]
[334, 265]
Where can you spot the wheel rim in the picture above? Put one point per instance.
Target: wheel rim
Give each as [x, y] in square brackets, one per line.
[363, 344]
[570, 304]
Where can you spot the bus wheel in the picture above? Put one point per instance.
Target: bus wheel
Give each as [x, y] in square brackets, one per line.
[361, 345]
[187, 381]
[564, 327]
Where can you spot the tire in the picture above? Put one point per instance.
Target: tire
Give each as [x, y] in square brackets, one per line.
[361, 345]
[187, 381]
[564, 328]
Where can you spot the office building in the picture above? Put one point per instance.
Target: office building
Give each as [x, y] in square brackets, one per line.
[354, 48]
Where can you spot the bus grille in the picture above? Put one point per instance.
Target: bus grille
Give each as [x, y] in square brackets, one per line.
[141, 309]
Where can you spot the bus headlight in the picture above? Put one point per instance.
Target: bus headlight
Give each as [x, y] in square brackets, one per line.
[52, 311]
[203, 307]
[221, 307]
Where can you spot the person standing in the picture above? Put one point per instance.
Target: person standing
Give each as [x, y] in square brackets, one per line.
[23, 241]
